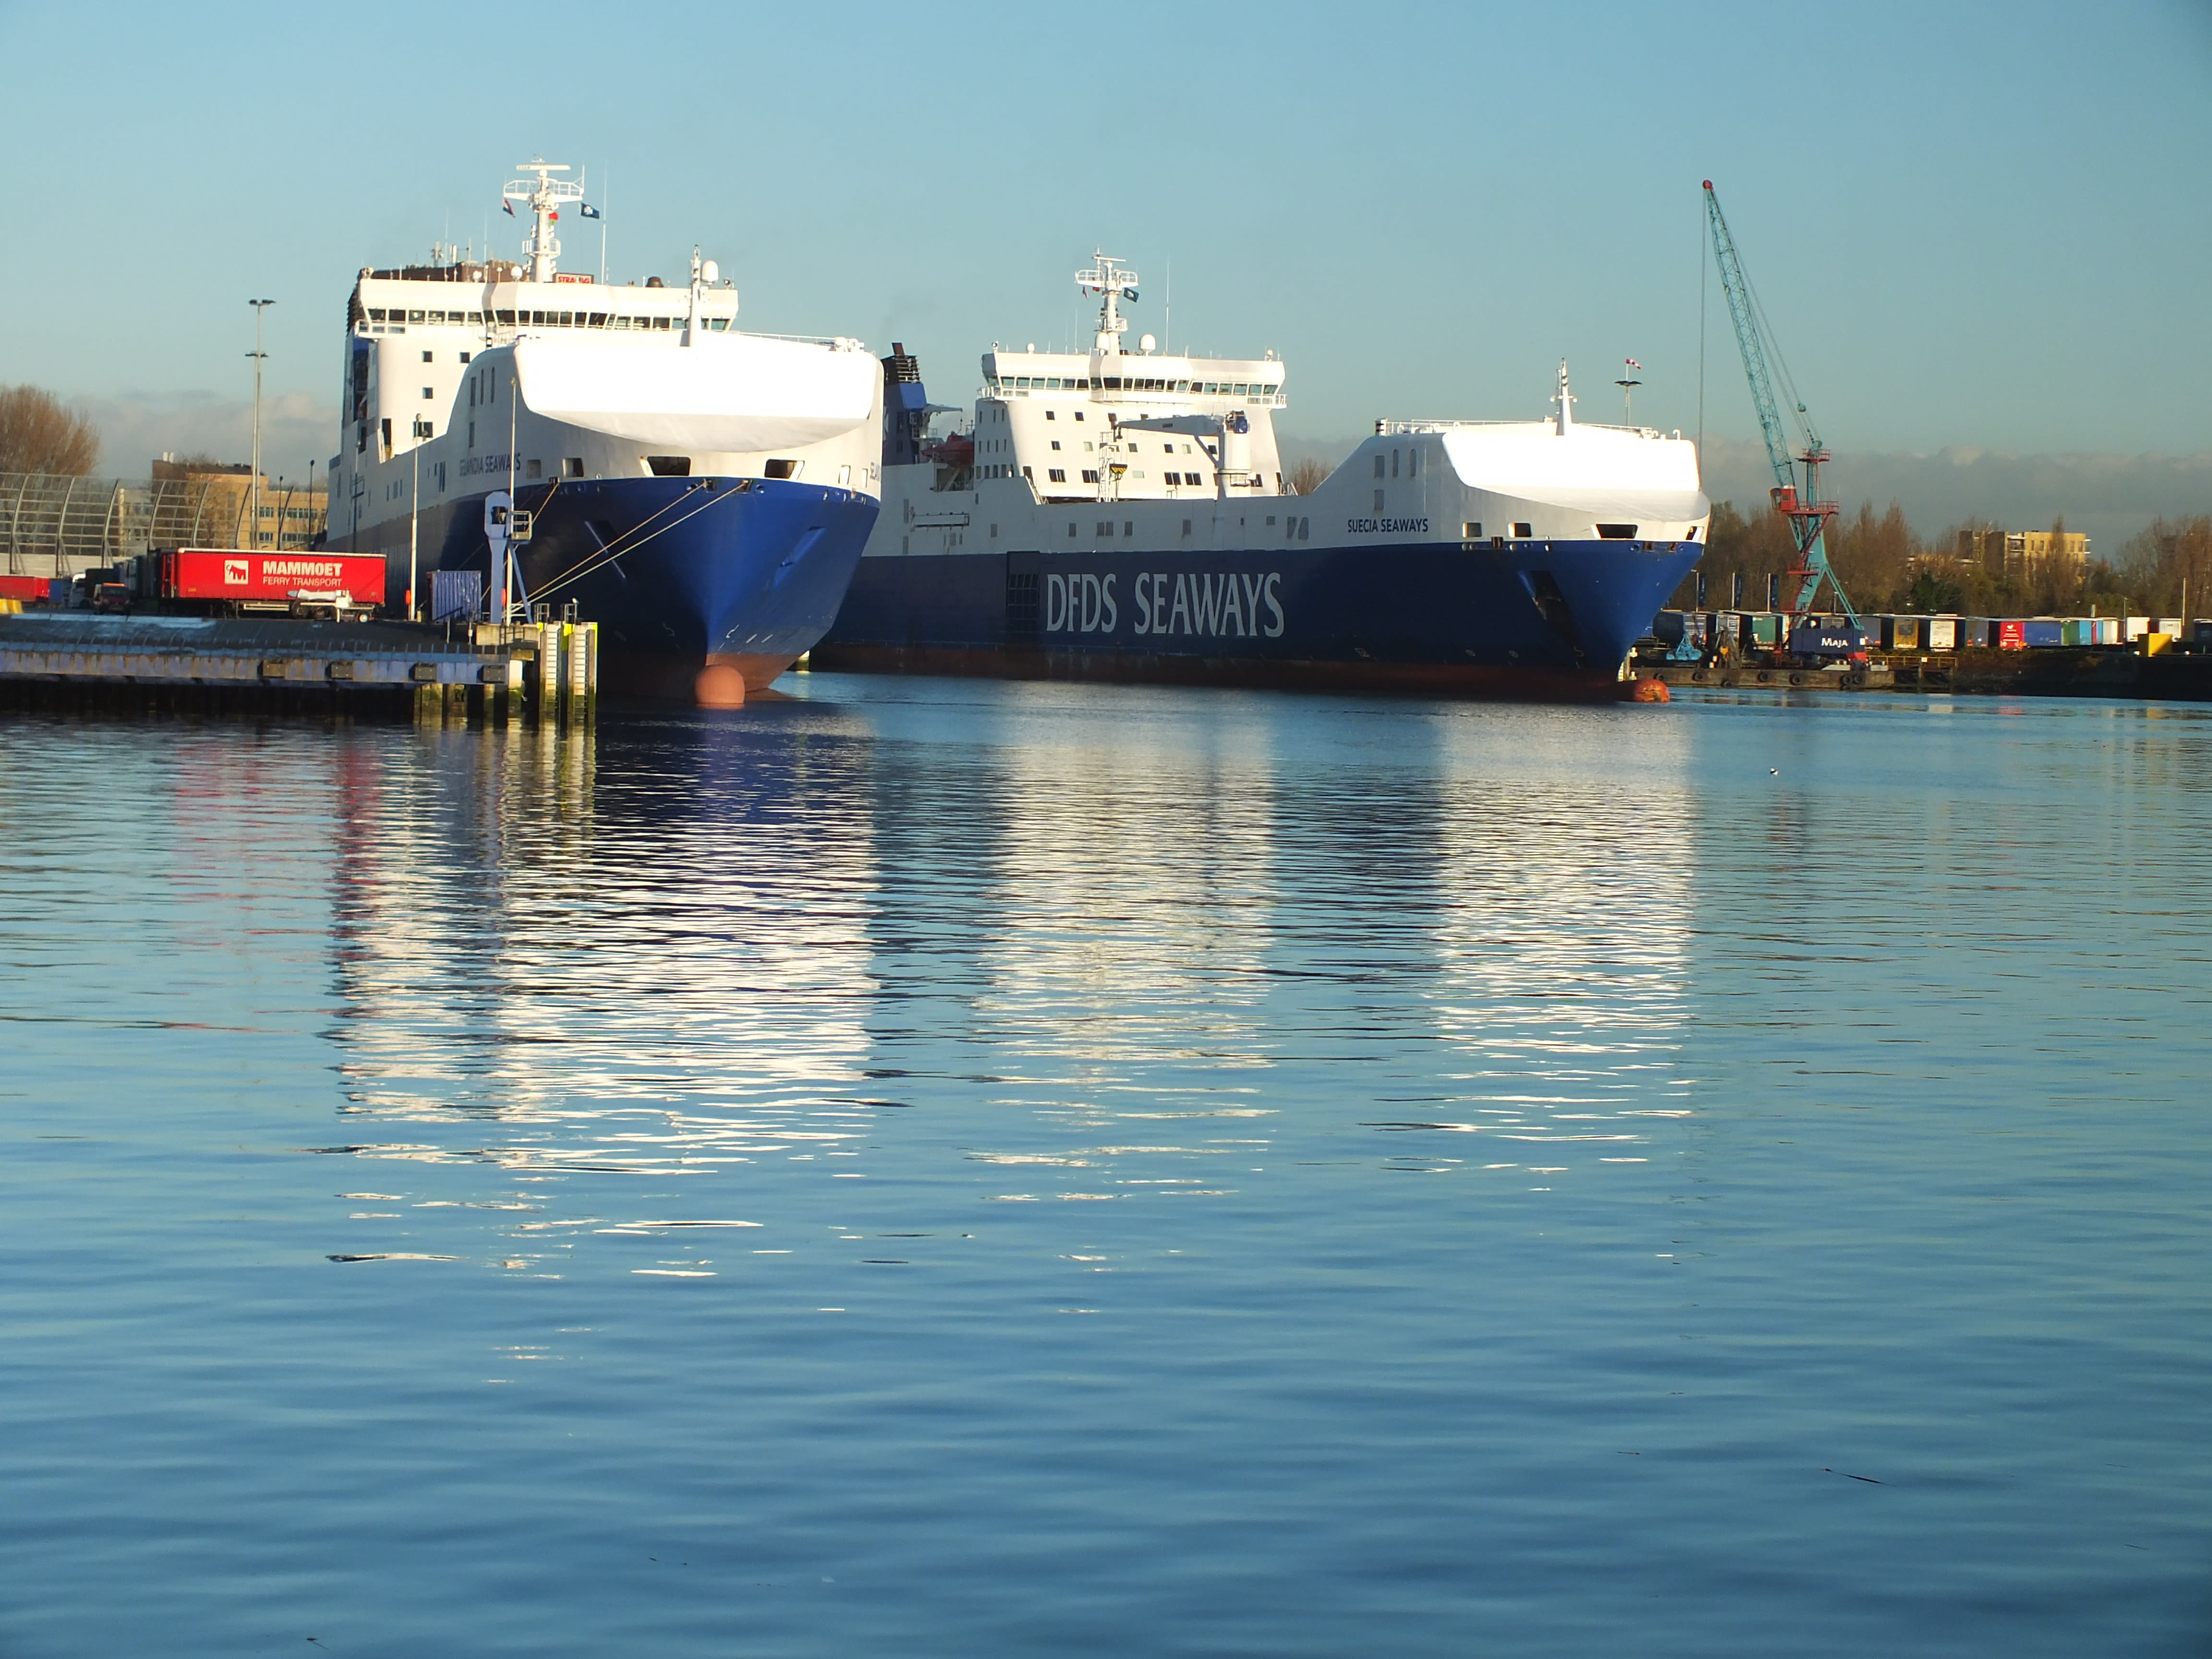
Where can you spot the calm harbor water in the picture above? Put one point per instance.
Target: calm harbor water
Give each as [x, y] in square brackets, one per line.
[943, 1168]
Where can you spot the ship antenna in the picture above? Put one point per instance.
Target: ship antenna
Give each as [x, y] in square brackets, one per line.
[544, 194]
[1112, 281]
[1565, 401]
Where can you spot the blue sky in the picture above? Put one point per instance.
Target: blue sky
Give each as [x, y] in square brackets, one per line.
[1972, 225]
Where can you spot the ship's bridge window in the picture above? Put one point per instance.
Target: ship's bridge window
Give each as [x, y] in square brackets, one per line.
[429, 357]
[1078, 413]
[415, 316]
[1052, 414]
[505, 317]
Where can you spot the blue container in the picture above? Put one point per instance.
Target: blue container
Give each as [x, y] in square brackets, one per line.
[455, 595]
[1826, 642]
[2038, 631]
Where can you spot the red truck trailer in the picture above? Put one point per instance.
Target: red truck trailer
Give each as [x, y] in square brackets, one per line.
[292, 582]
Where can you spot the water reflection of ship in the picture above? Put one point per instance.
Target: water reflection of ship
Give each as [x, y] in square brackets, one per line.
[709, 945]
[634, 978]
[1142, 921]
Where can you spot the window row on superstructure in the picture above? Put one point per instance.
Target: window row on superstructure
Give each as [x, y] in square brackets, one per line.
[381, 321]
[1002, 384]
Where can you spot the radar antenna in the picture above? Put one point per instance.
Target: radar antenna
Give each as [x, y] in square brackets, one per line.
[1113, 281]
[545, 193]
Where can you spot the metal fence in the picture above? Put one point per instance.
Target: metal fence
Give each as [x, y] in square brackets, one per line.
[59, 526]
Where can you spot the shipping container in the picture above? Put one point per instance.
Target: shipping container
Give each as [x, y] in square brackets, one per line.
[2137, 628]
[1828, 642]
[1942, 633]
[1901, 633]
[457, 595]
[2009, 635]
[1666, 627]
[31, 590]
[2077, 630]
[2039, 632]
[271, 581]
[1767, 629]
[2108, 631]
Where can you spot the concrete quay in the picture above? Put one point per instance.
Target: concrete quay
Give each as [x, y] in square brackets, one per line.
[348, 670]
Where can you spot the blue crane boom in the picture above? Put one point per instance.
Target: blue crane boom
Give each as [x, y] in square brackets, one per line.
[1807, 514]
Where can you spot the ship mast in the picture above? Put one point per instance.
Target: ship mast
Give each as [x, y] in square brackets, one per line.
[1115, 282]
[544, 194]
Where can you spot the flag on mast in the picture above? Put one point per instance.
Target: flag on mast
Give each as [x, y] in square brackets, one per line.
[585, 210]
[506, 207]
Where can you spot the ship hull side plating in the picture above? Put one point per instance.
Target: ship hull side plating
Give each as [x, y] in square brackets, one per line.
[1531, 619]
[678, 572]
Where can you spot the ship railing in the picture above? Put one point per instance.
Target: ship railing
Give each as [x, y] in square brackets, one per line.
[1411, 428]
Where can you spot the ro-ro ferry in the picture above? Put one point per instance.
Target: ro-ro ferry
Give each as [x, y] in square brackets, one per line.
[701, 493]
[1120, 514]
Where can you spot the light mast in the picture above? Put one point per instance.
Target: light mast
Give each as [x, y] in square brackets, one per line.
[544, 194]
[1114, 281]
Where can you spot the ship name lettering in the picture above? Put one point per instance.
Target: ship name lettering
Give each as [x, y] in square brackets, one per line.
[1387, 526]
[1217, 604]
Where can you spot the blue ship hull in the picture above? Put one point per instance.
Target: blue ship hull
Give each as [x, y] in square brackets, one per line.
[1545, 619]
[677, 571]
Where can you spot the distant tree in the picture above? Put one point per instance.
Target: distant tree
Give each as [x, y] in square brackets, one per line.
[37, 435]
[1307, 476]
[2170, 562]
[1933, 595]
[1753, 547]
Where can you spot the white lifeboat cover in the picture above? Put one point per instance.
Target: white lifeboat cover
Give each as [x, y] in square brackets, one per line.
[726, 392]
[1604, 472]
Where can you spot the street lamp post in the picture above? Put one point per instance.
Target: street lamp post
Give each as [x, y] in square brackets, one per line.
[253, 481]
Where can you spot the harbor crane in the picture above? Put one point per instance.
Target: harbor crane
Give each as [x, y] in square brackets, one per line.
[1801, 506]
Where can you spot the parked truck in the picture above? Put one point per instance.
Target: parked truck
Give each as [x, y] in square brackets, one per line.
[234, 581]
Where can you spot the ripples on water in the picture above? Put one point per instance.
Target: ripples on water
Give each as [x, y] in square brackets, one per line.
[936, 1167]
